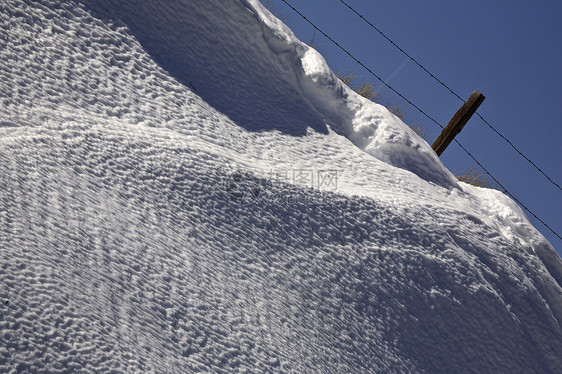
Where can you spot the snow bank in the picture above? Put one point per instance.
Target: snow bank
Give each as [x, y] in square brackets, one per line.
[129, 243]
[369, 126]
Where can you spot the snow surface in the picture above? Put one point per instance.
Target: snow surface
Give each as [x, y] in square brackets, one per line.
[161, 210]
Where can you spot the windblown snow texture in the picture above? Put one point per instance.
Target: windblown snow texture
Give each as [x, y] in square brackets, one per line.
[131, 242]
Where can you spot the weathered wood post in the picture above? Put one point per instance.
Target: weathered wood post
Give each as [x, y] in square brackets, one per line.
[457, 123]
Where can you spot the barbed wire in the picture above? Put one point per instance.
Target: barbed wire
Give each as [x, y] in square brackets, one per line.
[451, 91]
[422, 112]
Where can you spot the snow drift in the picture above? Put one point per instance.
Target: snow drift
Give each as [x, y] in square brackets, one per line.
[163, 208]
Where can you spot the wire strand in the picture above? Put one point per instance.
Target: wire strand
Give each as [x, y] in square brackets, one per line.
[424, 113]
[451, 91]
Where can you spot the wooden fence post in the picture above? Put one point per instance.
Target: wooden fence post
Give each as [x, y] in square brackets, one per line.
[457, 123]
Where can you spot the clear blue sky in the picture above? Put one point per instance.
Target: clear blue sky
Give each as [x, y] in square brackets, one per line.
[511, 51]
